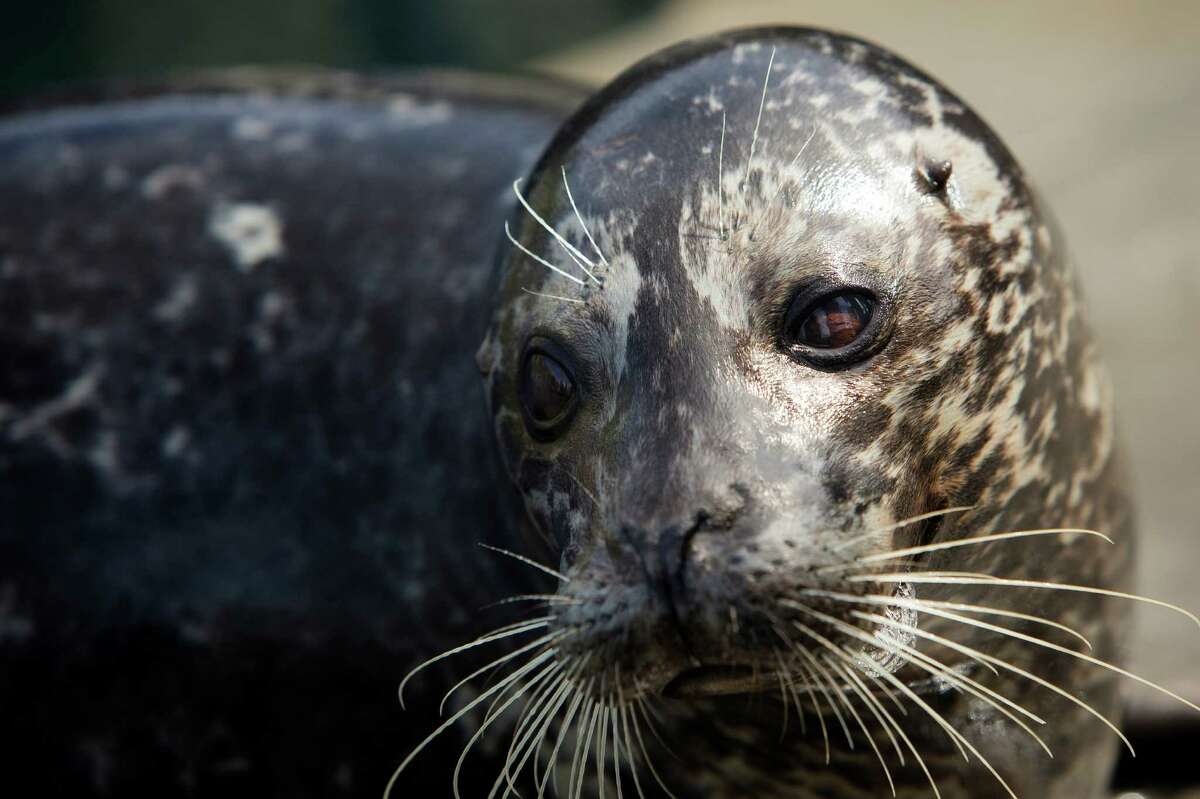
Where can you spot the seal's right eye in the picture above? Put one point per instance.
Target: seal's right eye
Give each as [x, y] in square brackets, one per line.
[834, 327]
[548, 393]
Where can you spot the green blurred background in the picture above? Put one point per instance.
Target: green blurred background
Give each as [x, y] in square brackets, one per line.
[64, 40]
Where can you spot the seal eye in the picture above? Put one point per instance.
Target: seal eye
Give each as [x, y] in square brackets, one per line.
[834, 329]
[548, 393]
[835, 321]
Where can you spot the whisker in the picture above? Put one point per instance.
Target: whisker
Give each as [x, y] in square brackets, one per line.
[783, 695]
[945, 578]
[818, 671]
[577, 702]
[1062, 649]
[646, 709]
[761, 104]
[563, 697]
[616, 743]
[583, 488]
[539, 258]
[917, 700]
[496, 635]
[579, 217]
[518, 674]
[533, 735]
[593, 714]
[816, 636]
[493, 716]
[721, 178]
[872, 704]
[581, 260]
[630, 754]
[897, 525]
[812, 696]
[791, 694]
[779, 191]
[850, 663]
[974, 541]
[939, 669]
[548, 598]
[602, 724]
[528, 562]
[637, 731]
[918, 604]
[1008, 667]
[862, 725]
[544, 640]
[552, 296]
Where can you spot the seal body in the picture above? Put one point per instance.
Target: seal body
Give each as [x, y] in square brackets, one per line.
[731, 509]
[243, 453]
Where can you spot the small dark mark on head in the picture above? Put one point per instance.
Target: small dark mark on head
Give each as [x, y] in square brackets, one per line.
[933, 176]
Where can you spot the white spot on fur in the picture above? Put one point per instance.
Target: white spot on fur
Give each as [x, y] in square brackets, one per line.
[252, 233]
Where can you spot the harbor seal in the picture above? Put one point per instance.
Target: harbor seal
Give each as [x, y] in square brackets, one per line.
[245, 461]
[790, 371]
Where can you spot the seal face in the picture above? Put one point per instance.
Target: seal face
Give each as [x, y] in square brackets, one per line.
[821, 409]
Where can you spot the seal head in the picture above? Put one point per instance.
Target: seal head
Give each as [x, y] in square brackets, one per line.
[780, 314]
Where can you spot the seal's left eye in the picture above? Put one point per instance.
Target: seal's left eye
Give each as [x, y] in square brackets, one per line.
[548, 393]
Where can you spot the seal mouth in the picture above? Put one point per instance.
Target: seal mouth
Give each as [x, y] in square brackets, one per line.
[716, 680]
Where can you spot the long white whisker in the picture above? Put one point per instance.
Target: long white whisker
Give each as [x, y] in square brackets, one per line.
[637, 731]
[493, 716]
[552, 296]
[562, 697]
[544, 640]
[721, 178]
[552, 769]
[581, 260]
[602, 725]
[809, 679]
[553, 599]
[616, 743]
[817, 672]
[939, 669]
[897, 525]
[841, 653]
[967, 650]
[918, 604]
[783, 694]
[528, 562]
[761, 104]
[496, 635]
[1070, 652]
[629, 753]
[946, 578]
[863, 693]
[532, 735]
[933, 714]
[791, 693]
[539, 258]
[816, 636]
[778, 191]
[862, 725]
[579, 217]
[518, 674]
[974, 541]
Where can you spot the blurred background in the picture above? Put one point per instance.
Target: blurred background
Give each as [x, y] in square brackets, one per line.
[1099, 100]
